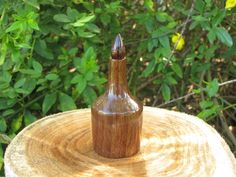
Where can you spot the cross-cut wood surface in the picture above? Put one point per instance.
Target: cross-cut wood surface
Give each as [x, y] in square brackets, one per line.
[173, 145]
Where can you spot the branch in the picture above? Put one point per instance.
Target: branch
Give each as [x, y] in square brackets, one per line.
[227, 82]
[224, 123]
[173, 50]
[181, 34]
[147, 82]
[182, 31]
[31, 102]
[192, 93]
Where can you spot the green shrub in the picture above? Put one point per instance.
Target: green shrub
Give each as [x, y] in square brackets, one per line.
[54, 54]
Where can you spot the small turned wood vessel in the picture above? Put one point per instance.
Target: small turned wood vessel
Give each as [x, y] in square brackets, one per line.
[117, 115]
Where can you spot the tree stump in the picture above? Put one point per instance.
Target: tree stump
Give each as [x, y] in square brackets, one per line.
[173, 144]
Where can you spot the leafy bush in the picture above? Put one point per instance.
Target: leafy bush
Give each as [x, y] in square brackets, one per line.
[54, 55]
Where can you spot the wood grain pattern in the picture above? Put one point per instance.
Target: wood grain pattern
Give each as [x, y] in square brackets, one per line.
[117, 117]
[173, 145]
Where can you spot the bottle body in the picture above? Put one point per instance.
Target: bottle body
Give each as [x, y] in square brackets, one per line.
[116, 134]
[117, 117]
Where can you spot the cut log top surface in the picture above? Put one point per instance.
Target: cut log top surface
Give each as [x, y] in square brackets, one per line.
[173, 145]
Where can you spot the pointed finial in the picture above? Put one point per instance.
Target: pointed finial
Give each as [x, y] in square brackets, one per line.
[118, 49]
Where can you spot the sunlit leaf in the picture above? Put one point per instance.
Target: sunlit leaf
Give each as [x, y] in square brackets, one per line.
[224, 36]
[66, 102]
[48, 102]
[165, 91]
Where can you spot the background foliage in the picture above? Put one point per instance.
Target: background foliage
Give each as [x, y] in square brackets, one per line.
[54, 57]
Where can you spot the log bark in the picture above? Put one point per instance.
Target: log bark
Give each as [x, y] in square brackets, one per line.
[173, 144]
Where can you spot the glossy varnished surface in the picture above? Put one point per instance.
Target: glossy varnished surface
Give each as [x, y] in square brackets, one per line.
[173, 144]
[117, 117]
[118, 48]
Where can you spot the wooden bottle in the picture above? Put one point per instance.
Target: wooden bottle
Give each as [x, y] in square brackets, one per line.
[117, 115]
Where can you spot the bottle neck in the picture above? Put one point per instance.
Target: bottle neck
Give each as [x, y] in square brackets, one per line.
[117, 81]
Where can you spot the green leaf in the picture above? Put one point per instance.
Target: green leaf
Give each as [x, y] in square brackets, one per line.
[210, 52]
[56, 83]
[31, 72]
[171, 24]
[4, 139]
[150, 45]
[224, 36]
[211, 36]
[16, 124]
[89, 54]
[206, 104]
[157, 54]
[17, 25]
[165, 91]
[89, 76]
[1, 151]
[3, 125]
[165, 41]
[23, 45]
[158, 33]
[48, 102]
[81, 22]
[33, 24]
[86, 19]
[193, 25]
[43, 50]
[1, 157]
[88, 62]
[81, 86]
[105, 19]
[97, 81]
[20, 90]
[200, 6]
[208, 2]
[160, 67]
[7, 103]
[219, 17]
[29, 85]
[85, 34]
[200, 19]
[176, 68]
[37, 66]
[212, 87]
[170, 80]
[61, 18]
[66, 102]
[161, 16]
[93, 28]
[76, 79]
[148, 4]
[72, 13]
[5, 77]
[33, 3]
[150, 68]
[51, 76]
[206, 113]
[73, 51]
[29, 118]
[20, 83]
[89, 95]
[197, 91]
[81, 83]
[8, 112]
[3, 52]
